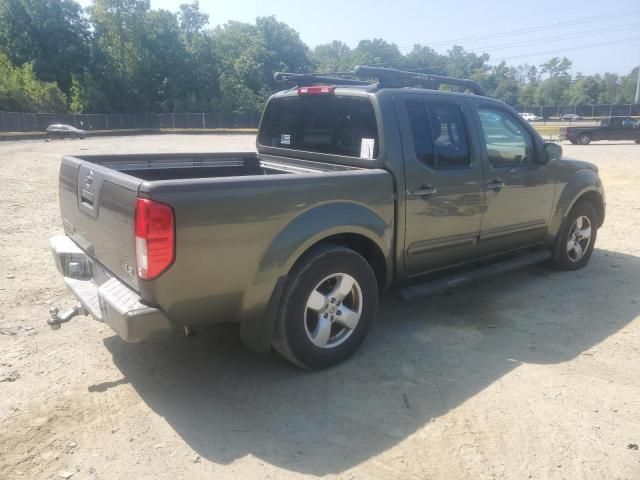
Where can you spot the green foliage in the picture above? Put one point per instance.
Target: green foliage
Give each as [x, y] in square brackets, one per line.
[123, 56]
[21, 91]
[52, 35]
[248, 55]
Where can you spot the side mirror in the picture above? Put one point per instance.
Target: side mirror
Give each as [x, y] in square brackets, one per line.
[550, 152]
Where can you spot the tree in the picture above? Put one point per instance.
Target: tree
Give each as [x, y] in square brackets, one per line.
[557, 67]
[191, 19]
[52, 35]
[118, 30]
[249, 54]
[426, 60]
[86, 95]
[331, 57]
[20, 90]
[377, 53]
[500, 82]
[462, 64]
[585, 90]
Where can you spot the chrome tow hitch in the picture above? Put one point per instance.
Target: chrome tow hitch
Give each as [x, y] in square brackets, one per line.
[55, 319]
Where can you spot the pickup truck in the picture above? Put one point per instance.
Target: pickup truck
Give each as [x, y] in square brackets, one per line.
[356, 187]
[612, 128]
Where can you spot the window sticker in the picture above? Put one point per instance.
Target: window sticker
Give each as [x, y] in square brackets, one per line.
[285, 139]
[366, 148]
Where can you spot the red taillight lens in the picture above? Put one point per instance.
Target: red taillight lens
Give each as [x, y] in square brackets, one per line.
[155, 238]
[317, 90]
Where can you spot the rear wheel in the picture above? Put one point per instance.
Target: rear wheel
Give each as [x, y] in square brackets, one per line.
[577, 237]
[327, 308]
[584, 139]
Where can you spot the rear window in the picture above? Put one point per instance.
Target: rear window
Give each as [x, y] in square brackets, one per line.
[321, 124]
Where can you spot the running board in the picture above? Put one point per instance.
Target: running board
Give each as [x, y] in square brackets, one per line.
[456, 280]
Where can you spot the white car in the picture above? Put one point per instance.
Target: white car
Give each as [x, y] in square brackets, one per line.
[529, 117]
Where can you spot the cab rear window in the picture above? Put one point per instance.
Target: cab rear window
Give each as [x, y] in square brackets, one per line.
[321, 124]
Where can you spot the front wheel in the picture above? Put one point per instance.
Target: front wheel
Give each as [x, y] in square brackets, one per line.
[327, 308]
[584, 139]
[577, 237]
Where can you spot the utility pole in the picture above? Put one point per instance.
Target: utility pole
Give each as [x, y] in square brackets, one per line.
[637, 100]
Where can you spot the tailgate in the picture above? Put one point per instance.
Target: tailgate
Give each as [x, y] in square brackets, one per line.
[97, 205]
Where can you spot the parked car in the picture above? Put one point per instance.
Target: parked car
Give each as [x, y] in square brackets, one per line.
[61, 130]
[530, 117]
[613, 128]
[570, 117]
[355, 188]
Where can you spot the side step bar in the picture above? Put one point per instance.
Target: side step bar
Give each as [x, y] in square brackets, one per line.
[456, 280]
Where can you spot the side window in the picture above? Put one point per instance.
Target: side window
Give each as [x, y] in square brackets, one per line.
[449, 136]
[508, 144]
[439, 135]
[421, 132]
[629, 123]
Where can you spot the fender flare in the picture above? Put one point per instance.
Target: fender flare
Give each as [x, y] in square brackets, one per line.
[580, 183]
[262, 297]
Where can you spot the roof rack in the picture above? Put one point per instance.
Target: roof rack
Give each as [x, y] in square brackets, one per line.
[308, 79]
[391, 78]
[387, 78]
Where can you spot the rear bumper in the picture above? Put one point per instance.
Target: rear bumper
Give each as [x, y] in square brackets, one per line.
[108, 300]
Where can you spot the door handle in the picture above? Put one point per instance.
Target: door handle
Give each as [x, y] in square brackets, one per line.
[423, 191]
[496, 184]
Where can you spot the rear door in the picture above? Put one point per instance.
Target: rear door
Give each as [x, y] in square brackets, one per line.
[443, 179]
[519, 192]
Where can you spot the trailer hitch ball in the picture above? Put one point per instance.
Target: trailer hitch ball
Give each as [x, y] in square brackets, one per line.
[56, 319]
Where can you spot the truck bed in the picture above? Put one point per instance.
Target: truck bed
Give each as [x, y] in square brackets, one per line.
[228, 208]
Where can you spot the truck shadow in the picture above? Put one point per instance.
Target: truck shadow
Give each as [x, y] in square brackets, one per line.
[422, 360]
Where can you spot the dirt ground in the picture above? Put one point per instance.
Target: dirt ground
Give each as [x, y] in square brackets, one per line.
[533, 374]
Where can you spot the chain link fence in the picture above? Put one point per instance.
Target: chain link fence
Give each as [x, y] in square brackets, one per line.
[585, 111]
[38, 122]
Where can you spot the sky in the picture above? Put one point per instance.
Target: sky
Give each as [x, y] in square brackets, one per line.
[597, 35]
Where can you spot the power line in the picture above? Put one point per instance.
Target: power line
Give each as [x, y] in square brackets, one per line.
[581, 47]
[555, 38]
[522, 31]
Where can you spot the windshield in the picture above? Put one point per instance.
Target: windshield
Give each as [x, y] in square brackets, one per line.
[321, 124]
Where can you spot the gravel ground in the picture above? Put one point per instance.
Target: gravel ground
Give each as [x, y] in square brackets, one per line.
[534, 374]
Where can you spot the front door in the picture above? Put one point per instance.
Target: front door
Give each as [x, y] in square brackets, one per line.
[519, 191]
[625, 129]
[443, 179]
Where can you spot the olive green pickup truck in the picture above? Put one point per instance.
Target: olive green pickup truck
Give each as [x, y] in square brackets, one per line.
[357, 186]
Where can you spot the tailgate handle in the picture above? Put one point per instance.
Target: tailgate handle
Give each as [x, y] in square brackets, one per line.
[87, 197]
[90, 184]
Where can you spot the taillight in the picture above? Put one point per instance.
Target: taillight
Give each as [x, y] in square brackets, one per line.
[155, 238]
[317, 90]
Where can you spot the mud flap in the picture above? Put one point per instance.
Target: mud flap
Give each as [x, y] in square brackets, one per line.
[258, 335]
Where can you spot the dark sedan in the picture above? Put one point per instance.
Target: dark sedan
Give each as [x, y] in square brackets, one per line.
[61, 130]
[570, 117]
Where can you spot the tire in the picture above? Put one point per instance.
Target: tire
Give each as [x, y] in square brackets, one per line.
[566, 255]
[637, 142]
[584, 139]
[306, 309]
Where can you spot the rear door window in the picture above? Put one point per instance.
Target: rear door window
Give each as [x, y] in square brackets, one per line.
[439, 135]
[321, 124]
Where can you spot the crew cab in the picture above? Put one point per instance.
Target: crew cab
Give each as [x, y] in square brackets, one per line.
[356, 188]
[612, 128]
